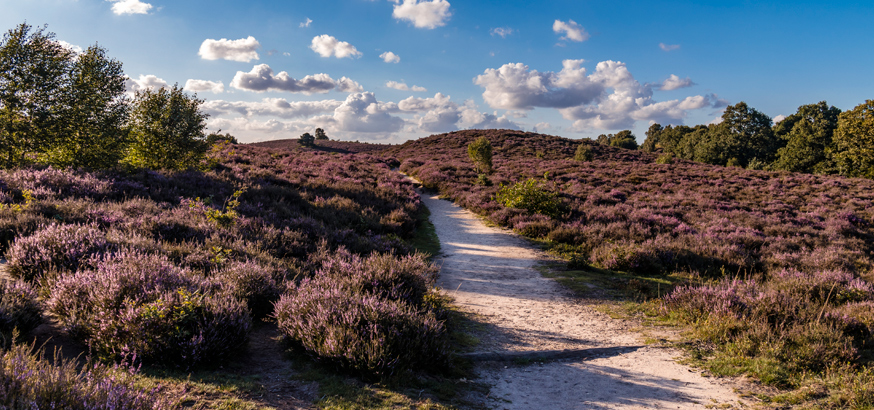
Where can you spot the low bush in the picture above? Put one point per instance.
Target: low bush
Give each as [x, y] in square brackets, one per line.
[532, 195]
[583, 153]
[368, 315]
[55, 247]
[134, 303]
[258, 286]
[19, 309]
[30, 382]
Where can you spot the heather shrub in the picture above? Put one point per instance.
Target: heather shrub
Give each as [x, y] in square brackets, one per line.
[19, 309]
[363, 333]
[531, 195]
[28, 381]
[134, 303]
[666, 158]
[55, 247]
[626, 256]
[258, 286]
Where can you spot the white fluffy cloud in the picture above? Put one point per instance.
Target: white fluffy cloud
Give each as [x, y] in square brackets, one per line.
[441, 114]
[404, 87]
[514, 86]
[572, 31]
[390, 57]
[423, 14]
[502, 31]
[306, 23]
[273, 107]
[243, 50]
[72, 47]
[610, 98]
[669, 47]
[216, 87]
[144, 82]
[675, 83]
[328, 46]
[361, 112]
[121, 7]
[261, 79]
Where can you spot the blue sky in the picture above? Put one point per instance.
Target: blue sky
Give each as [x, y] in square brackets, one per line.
[570, 68]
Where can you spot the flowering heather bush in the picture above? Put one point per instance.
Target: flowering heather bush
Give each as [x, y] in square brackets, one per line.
[134, 303]
[30, 382]
[369, 315]
[256, 285]
[55, 247]
[19, 309]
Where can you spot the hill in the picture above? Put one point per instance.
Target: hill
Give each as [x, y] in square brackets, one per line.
[773, 269]
[343, 147]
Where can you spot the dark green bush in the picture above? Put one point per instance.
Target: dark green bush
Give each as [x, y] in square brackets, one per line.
[532, 195]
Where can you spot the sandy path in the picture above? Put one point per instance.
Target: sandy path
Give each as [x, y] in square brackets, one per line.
[491, 272]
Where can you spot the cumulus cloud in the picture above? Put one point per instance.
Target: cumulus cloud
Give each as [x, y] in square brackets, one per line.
[514, 86]
[502, 31]
[144, 82]
[242, 50]
[669, 47]
[390, 57]
[361, 112]
[609, 98]
[441, 114]
[675, 83]
[404, 87]
[306, 23]
[779, 118]
[328, 46]
[572, 31]
[121, 7]
[216, 87]
[261, 79]
[273, 107]
[423, 14]
[72, 47]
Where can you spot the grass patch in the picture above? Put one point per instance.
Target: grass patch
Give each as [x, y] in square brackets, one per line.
[425, 238]
[601, 283]
[205, 389]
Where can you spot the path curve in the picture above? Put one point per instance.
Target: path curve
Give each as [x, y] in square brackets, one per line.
[492, 273]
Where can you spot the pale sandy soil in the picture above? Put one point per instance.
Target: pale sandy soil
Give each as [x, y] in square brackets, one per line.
[492, 274]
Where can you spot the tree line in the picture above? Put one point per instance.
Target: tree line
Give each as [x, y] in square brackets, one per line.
[68, 109]
[818, 139]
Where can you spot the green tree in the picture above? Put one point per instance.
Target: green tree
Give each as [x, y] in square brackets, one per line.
[215, 137]
[307, 140]
[320, 134]
[854, 141]
[622, 139]
[808, 137]
[480, 153]
[33, 71]
[651, 144]
[92, 123]
[744, 133]
[583, 153]
[166, 130]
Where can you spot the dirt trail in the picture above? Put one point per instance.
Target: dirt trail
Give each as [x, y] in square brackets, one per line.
[492, 273]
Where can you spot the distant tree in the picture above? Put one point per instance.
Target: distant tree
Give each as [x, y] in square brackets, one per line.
[166, 130]
[92, 127]
[744, 133]
[215, 137]
[651, 144]
[622, 139]
[480, 153]
[33, 72]
[307, 140]
[320, 134]
[583, 153]
[808, 137]
[854, 141]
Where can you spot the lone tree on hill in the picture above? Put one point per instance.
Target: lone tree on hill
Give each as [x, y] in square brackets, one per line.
[480, 153]
[320, 134]
[307, 140]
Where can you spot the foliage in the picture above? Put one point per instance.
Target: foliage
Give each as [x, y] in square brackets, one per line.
[320, 134]
[307, 140]
[258, 286]
[54, 248]
[19, 310]
[652, 142]
[622, 139]
[216, 137]
[583, 153]
[854, 141]
[480, 154]
[369, 315]
[532, 195]
[28, 381]
[166, 130]
[666, 158]
[808, 137]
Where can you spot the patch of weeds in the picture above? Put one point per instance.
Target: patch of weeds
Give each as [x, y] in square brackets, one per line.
[205, 389]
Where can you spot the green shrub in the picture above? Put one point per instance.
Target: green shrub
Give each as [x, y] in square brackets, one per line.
[583, 153]
[531, 195]
[666, 158]
[480, 153]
